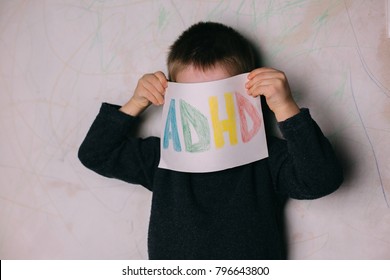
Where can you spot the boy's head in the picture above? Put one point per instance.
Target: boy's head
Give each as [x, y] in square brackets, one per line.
[207, 45]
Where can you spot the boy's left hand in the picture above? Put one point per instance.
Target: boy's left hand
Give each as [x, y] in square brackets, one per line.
[274, 86]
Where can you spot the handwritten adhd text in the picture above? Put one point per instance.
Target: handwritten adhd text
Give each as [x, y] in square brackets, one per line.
[244, 117]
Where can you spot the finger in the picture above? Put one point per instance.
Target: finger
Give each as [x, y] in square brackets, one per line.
[266, 78]
[265, 73]
[157, 81]
[262, 70]
[155, 93]
[161, 77]
[266, 83]
[151, 98]
[261, 90]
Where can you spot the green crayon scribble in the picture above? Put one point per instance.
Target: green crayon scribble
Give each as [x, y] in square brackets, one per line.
[162, 18]
[341, 88]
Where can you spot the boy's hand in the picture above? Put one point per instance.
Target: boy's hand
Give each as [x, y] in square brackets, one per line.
[274, 86]
[150, 90]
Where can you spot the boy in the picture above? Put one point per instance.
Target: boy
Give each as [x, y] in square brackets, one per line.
[229, 214]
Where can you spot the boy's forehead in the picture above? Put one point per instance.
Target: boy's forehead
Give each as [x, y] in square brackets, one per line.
[193, 74]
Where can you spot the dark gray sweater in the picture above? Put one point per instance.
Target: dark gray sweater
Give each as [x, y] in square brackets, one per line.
[229, 214]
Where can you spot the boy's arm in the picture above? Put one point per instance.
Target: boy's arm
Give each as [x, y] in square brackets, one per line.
[273, 85]
[150, 90]
[304, 165]
[109, 150]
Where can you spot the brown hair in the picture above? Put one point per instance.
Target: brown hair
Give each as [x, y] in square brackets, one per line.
[206, 44]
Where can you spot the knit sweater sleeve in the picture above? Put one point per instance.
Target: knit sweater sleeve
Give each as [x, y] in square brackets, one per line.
[111, 151]
[304, 165]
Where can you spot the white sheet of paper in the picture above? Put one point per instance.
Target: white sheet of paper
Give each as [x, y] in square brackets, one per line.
[211, 126]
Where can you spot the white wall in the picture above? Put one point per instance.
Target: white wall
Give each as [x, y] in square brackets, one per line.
[60, 59]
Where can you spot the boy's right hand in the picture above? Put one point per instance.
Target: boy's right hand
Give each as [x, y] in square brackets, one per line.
[150, 90]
